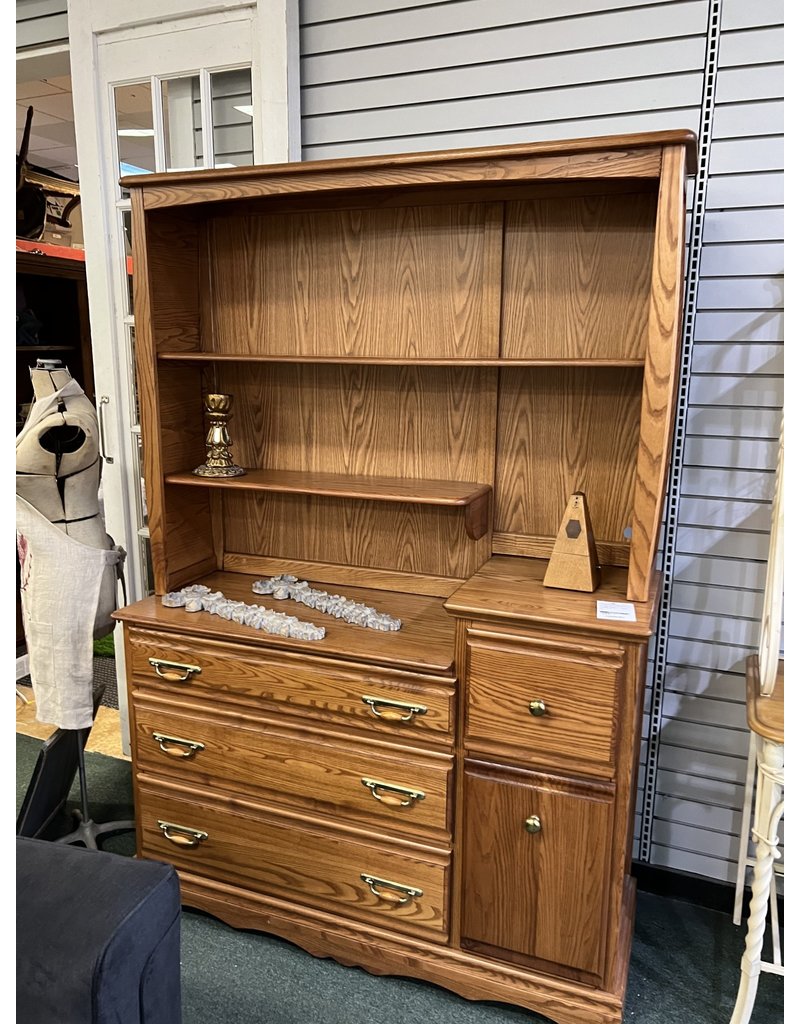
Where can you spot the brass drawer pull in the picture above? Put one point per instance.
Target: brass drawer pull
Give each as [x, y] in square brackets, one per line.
[388, 791]
[180, 835]
[192, 746]
[174, 671]
[537, 708]
[533, 824]
[393, 709]
[395, 887]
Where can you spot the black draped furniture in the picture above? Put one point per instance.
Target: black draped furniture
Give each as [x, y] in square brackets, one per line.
[98, 937]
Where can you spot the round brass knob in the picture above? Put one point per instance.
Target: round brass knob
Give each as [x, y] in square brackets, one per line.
[537, 708]
[533, 824]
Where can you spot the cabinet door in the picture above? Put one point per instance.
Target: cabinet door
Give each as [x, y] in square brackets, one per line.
[536, 861]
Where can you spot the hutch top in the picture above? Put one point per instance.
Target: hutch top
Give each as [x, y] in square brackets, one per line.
[427, 353]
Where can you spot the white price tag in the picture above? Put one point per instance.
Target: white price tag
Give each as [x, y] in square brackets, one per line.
[616, 611]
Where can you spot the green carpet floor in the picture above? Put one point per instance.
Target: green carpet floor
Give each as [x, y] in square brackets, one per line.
[684, 967]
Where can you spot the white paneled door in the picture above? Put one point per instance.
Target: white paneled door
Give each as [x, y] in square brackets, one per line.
[158, 87]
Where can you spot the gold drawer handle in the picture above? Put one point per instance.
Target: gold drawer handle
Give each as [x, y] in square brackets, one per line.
[175, 671]
[533, 824]
[395, 887]
[180, 835]
[192, 745]
[388, 791]
[394, 709]
[537, 708]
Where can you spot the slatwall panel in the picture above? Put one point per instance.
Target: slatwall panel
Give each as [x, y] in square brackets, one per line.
[732, 427]
[479, 72]
[41, 23]
[380, 76]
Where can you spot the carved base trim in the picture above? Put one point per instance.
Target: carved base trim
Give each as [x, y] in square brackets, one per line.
[384, 953]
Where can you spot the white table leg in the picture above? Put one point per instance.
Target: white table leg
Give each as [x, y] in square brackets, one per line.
[769, 808]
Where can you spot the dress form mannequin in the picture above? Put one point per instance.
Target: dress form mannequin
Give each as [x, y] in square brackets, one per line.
[58, 465]
[69, 565]
[68, 560]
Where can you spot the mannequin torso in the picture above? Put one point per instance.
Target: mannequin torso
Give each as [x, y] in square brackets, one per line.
[58, 465]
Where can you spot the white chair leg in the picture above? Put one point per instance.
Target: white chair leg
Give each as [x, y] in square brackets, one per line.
[773, 914]
[744, 839]
[769, 790]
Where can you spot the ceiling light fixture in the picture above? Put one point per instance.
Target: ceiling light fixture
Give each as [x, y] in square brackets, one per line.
[136, 133]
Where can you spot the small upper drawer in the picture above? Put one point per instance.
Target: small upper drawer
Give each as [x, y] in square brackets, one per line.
[542, 701]
[374, 785]
[387, 702]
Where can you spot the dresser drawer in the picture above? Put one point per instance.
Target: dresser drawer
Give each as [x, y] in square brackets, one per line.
[383, 701]
[403, 887]
[376, 786]
[543, 702]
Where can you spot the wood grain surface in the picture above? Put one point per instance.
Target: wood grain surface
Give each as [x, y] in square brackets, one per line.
[418, 346]
[453, 157]
[416, 539]
[508, 589]
[577, 688]
[251, 359]
[661, 374]
[579, 159]
[449, 493]
[385, 952]
[764, 713]
[281, 855]
[320, 772]
[296, 686]
[412, 281]
[329, 573]
[561, 431]
[576, 277]
[424, 643]
[174, 246]
[542, 895]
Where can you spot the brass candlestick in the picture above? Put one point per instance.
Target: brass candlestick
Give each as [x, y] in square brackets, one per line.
[219, 461]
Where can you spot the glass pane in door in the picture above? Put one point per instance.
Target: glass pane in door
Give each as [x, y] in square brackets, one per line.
[232, 117]
[133, 112]
[183, 126]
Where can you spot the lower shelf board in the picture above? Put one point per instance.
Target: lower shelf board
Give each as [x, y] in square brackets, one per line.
[382, 952]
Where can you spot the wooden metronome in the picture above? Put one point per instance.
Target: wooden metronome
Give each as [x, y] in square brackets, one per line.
[573, 564]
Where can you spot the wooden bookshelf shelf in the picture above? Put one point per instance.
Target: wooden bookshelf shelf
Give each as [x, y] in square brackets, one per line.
[472, 497]
[245, 357]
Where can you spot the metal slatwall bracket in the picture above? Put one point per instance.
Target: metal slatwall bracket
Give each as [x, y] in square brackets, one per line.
[695, 238]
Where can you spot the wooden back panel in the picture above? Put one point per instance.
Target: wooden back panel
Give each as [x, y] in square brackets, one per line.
[413, 539]
[433, 423]
[418, 423]
[576, 277]
[561, 430]
[413, 281]
[174, 240]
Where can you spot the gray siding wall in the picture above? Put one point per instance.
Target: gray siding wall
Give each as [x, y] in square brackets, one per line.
[379, 76]
[41, 23]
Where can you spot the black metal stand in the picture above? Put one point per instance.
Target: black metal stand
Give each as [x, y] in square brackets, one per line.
[87, 831]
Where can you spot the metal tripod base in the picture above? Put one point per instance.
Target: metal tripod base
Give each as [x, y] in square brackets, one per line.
[87, 831]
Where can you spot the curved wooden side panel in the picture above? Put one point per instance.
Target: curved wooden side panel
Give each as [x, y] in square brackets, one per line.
[660, 373]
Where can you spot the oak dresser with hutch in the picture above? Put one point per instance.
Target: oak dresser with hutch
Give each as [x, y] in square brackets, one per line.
[427, 354]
